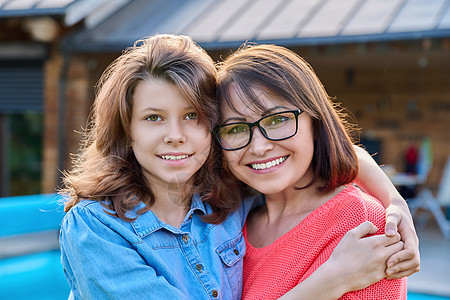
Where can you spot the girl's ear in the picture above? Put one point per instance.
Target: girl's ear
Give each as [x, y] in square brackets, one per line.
[129, 144]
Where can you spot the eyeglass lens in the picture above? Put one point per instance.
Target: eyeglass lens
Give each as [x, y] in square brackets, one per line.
[277, 126]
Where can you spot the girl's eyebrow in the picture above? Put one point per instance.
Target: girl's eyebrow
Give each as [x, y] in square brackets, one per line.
[154, 108]
[162, 109]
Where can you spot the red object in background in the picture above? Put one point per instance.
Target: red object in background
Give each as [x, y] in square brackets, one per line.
[411, 158]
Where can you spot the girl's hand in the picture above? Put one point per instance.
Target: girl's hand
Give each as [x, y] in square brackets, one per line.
[406, 261]
[360, 262]
[398, 218]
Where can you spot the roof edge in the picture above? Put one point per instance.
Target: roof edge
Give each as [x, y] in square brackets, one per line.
[86, 46]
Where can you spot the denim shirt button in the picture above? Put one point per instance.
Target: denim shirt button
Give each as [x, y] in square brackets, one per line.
[199, 267]
[236, 251]
[215, 293]
[185, 238]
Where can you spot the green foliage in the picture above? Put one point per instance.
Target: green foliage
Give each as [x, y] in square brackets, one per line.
[25, 153]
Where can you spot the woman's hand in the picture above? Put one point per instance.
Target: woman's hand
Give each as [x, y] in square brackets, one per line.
[360, 262]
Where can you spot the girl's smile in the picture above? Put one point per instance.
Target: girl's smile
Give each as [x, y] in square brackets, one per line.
[175, 158]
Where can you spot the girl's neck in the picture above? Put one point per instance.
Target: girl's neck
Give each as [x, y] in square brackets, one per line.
[172, 202]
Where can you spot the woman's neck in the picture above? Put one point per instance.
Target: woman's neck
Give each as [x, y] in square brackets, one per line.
[294, 202]
[282, 212]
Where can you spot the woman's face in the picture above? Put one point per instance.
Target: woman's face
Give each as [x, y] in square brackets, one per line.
[269, 166]
[168, 140]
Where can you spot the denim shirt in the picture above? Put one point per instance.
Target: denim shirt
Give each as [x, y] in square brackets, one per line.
[105, 257]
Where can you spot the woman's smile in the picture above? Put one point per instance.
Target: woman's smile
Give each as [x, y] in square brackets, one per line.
[271, 166]
[268, 165]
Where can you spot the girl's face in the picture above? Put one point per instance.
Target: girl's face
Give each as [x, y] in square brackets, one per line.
[269, 166]
[168, 140]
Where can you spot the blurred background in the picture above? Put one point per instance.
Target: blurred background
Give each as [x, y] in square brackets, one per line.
[386, 61]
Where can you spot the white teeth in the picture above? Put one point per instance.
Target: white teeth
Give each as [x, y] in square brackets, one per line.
[268, 164]
[173, 157]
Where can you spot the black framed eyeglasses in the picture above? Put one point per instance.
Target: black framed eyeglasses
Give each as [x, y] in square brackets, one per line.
[275, 127]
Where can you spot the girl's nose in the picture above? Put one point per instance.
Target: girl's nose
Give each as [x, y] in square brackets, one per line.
[175, 134]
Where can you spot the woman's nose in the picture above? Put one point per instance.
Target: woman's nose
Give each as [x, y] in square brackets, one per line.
[259, 144]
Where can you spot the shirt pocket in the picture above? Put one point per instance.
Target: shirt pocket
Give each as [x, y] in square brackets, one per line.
[231, 254]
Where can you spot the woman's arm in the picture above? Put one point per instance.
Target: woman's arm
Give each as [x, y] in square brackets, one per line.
[355, 264]
[398, 218]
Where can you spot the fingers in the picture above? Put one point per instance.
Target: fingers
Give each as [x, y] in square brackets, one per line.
[410, 238]
[385, 241]
[403, 263]
[402, 269]
[394, 248]
[395, 239]
[407, 261]
[362, 230]
[407, 255]
[402, 274]
[392, 220]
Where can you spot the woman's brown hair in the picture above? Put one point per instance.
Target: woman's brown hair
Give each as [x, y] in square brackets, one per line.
[105, 167]
[282, 74]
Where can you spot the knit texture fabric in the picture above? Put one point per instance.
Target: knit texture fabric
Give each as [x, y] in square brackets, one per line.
[271, 271]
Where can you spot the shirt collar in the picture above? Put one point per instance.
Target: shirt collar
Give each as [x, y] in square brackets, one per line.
[148, 222]
[197, 204]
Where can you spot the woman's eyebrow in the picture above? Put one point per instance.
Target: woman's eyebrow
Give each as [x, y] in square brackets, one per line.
[273, 109]
[236, 119]
[264, 113]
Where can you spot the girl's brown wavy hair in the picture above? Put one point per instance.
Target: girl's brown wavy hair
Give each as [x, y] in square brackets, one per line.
[105, 167]
[282, 74]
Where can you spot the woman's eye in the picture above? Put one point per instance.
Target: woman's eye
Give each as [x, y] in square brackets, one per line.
[278, 119]
[191, 116]
[153, 118]
[237, 129]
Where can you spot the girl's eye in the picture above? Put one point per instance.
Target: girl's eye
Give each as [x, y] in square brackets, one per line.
[153, 118]
[191, 116]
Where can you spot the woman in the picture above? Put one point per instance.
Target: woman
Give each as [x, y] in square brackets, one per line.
[283, 137]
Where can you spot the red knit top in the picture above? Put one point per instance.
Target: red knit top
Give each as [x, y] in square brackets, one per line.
[271, 271]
